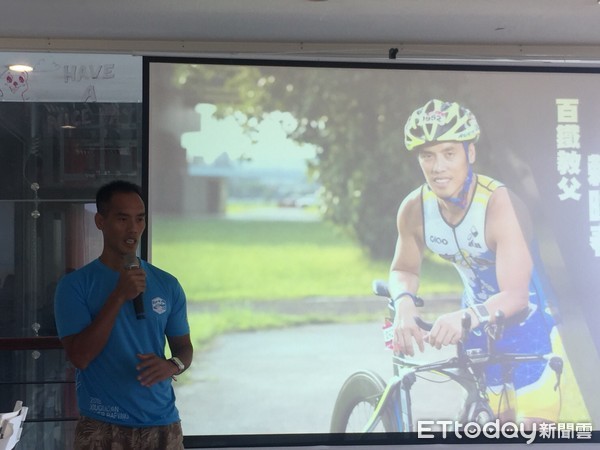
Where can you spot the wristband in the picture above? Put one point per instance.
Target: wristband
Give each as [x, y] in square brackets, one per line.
[175, 360]
[418, 301]
[481, 312]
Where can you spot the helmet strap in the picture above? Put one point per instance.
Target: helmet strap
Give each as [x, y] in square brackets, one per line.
[461, 199]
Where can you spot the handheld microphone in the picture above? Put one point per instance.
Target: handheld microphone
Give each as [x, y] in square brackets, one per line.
[132, 262]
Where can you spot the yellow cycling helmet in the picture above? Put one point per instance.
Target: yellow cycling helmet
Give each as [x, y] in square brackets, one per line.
[439, 121]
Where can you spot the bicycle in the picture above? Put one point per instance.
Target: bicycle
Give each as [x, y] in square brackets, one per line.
[366, 403]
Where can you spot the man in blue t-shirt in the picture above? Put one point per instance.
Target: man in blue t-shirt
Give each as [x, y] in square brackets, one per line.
[123, 378]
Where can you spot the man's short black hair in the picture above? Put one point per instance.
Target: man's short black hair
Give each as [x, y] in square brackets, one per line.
[105, 193]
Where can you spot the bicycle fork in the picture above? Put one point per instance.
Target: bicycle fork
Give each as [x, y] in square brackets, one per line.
[400, 406]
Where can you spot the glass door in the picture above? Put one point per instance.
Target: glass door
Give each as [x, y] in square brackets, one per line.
[66, 127]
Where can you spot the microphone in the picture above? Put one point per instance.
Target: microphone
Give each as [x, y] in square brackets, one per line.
[132, 262]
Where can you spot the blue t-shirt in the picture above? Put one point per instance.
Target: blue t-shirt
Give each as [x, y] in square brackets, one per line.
[108, 389]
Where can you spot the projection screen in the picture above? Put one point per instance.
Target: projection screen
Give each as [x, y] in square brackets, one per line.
[274, 188]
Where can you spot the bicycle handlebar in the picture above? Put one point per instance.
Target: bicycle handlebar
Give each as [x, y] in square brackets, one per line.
[423, 324]
[427, 326]
[493, 330]
[465, 324]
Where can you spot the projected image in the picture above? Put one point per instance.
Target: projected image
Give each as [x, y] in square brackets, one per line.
[307, 210]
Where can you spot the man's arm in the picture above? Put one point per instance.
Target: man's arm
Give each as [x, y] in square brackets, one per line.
[181, 347]
[508, 234]
[153, 369]
[405, 273]
[83, 347]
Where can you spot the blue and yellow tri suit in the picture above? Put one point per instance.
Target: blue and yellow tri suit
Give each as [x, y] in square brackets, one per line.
[464, 245]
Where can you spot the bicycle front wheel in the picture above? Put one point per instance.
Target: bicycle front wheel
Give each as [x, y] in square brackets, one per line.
[356, 404]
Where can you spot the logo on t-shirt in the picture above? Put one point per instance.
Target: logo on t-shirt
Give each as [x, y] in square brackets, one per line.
[159, 306]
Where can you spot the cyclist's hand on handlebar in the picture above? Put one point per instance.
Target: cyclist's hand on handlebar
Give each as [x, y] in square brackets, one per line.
[406, 330]
[447, 330]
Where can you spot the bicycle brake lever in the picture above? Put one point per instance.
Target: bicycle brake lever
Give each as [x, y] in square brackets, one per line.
[424, 325]
[466, 326]
[495, 330]
[499, 322]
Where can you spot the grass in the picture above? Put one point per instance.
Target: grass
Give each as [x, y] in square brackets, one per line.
[228, 263]
[233, 261]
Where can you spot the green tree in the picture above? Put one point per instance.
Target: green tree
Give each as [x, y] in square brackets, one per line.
[356, 118]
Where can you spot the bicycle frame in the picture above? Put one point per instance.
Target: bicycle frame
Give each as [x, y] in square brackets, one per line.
[467, 368]
[406, 376]
[467, 371]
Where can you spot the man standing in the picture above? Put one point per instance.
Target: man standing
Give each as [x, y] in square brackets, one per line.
[123, 379]
[474, 222]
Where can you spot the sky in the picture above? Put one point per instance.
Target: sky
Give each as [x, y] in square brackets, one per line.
[265, 146]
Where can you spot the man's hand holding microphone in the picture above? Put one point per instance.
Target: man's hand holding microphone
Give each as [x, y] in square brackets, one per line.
[132, 284]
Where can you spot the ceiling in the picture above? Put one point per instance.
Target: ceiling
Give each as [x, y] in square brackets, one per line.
[402, 21]
[183, 24]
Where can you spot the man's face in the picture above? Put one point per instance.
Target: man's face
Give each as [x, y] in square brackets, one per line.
[123, 223]
[445, 166]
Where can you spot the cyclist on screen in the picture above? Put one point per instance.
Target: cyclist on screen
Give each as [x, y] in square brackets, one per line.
[477, 224]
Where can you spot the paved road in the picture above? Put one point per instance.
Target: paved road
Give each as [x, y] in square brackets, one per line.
[285, 381]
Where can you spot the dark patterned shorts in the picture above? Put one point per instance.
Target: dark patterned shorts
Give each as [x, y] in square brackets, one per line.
[91, 434]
